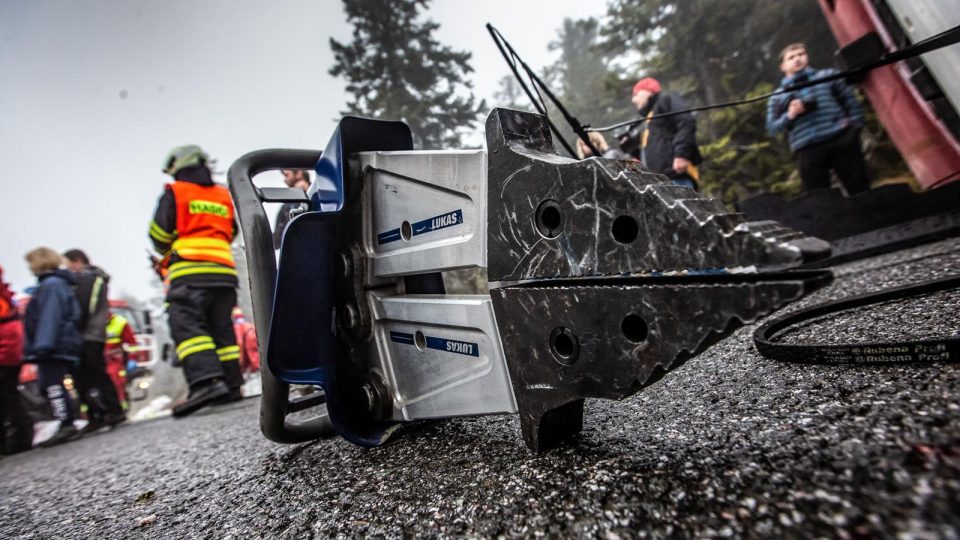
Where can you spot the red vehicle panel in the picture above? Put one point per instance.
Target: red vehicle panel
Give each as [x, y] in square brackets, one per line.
[929, 149]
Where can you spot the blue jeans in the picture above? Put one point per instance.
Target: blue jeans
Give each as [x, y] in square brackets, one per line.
[685, 182]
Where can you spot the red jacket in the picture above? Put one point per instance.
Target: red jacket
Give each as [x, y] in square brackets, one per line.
[247, 340]
[11, 335]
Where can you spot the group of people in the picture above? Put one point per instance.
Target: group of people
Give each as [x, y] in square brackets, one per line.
[64, 331]
[67, 328]
[822, 124]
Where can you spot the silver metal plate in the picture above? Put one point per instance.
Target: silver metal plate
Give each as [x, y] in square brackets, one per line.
[441, 355]
[423, 211]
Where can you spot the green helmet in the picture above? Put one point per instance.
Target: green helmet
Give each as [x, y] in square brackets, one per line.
[182, 157]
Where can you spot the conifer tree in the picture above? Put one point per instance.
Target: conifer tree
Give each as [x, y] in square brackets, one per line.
[396, 70]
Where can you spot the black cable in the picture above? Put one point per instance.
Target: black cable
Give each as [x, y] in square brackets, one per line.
[943, 39]
[924, 350]
[512, 59]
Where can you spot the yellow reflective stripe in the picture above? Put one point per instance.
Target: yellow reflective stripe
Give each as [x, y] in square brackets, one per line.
[192, 264]
[230, 352]
[200, 242]
[646, 130]
[115, 326]
[160, 235]
[186, 253]
[95, 294]
[190, 248]
[182, 355]
[113, 340]
[205, 269]
[194, 341]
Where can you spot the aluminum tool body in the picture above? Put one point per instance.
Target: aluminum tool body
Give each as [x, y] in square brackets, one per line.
[603, 277]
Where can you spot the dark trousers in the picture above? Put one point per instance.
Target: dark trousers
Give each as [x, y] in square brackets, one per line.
[50, 373]
[94, 386]
[202, 328]
[841, 155]
[16, 428]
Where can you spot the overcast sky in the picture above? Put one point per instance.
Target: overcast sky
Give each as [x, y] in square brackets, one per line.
[94, 93]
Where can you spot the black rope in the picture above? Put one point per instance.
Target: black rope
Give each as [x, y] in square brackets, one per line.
[943, 39]
[893, 352]
[512, 59]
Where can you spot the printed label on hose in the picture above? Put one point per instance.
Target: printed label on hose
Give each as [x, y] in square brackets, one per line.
[873, 355]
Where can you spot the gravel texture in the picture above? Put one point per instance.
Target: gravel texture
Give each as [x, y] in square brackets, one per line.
[730, 444]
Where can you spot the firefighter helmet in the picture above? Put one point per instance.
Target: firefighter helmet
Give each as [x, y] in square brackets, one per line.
[182, 157]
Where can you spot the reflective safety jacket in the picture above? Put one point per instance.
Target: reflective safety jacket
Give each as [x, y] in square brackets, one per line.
[119, 334]
[193, 228]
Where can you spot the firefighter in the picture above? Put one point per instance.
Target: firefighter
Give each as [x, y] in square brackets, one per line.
[192, 229]
[119, 337]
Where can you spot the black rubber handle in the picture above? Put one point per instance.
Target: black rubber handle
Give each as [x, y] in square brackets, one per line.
[262, 269]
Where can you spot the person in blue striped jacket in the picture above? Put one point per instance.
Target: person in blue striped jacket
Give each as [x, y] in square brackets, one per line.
[822, 123]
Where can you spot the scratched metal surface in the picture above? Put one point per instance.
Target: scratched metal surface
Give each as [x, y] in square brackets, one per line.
[675, 228]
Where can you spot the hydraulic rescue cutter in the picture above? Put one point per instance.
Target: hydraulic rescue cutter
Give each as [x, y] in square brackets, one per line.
[603, 277]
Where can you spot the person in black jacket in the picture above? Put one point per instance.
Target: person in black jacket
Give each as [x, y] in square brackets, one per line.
[51, 335]
[94, 386]
[294, 178]
[665, 145]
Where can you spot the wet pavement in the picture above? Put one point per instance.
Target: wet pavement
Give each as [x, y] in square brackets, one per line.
[730, 444]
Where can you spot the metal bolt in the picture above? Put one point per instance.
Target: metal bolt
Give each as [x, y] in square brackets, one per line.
[344, 265]
[370, 394]
[564, 345]
[351, 316]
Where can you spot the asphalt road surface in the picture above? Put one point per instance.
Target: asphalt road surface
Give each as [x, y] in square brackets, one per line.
[730, 444]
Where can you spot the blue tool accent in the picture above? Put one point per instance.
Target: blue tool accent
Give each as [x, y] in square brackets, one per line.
[390, 236]
[352, 135]
[438, 222]
[466, 348]
[303, 347]
[302, 326]
[401, 337]
[435, 223]
[453, 346]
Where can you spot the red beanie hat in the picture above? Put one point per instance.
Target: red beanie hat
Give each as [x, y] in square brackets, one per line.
[649, 83]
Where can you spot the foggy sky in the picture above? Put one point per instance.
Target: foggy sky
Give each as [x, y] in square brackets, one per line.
[94, 93]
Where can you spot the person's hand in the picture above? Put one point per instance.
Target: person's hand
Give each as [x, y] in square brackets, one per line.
[680, 164]
[795, 109]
